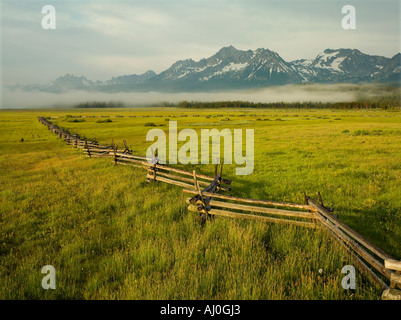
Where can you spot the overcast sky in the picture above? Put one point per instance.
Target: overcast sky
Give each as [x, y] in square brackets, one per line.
[101, 39]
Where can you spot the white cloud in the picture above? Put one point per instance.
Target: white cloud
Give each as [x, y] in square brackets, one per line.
[101, 39]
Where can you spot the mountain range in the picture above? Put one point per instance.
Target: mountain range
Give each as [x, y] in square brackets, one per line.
[231, 68]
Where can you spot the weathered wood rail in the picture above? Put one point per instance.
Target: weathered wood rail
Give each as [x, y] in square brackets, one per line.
[378, 265]
[260, 210]
[363, 251]
[178, 177]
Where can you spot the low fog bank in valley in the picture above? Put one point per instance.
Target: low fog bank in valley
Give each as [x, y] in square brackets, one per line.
[289, 93]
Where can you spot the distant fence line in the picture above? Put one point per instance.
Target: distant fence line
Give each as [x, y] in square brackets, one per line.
[207, 202]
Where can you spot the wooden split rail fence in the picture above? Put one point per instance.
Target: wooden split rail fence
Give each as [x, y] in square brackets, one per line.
[205, 200]
[211, 203]
[364, 253]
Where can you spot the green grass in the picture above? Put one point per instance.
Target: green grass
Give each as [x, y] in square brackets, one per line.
[111, 235]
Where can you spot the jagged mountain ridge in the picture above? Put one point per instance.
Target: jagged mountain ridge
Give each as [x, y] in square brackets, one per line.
[231, 68]
[344, 65]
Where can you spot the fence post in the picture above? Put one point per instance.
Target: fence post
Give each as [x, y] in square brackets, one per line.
[319, 197]
[155, 162]
[195, 180]
[126, 150]
[87, 148]
[115, 154]
[203, 206]
[76, 139]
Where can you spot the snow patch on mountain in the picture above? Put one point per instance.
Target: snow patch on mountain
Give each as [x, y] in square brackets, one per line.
[228, 68]
[330, 60]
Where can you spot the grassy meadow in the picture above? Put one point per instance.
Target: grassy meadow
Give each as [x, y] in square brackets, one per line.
[111, 235]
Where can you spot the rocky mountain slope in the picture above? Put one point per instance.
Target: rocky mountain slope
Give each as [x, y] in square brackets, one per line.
[230, 68]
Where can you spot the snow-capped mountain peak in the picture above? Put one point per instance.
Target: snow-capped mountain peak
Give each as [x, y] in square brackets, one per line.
[230, 68]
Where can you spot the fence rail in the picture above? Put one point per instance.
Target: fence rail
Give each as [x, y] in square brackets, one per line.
[372, 261]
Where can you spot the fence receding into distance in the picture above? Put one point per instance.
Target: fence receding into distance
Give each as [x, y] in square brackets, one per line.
[204, 198]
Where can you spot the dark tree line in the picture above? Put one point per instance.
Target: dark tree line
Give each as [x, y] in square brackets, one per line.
[367, 104]
[100, 104]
